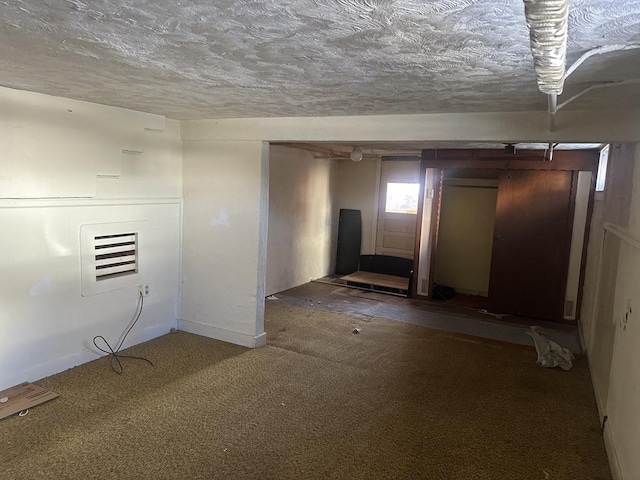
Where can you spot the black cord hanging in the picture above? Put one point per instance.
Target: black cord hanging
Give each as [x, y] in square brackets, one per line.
[115, 355]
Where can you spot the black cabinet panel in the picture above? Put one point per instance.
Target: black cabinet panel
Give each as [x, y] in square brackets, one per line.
[349, 241]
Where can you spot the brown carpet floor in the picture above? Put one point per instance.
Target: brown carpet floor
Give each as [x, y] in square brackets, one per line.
[396, 401]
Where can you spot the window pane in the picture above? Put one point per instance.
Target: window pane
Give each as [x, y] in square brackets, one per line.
[402, 198]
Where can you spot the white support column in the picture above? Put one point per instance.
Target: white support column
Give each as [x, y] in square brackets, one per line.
[225, 188]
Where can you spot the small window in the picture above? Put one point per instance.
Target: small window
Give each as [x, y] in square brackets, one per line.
[602, 169]
[402, 198]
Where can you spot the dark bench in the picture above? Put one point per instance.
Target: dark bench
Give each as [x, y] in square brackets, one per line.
[384, 273]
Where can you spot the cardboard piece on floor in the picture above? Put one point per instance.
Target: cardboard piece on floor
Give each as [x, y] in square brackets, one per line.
[22, 397]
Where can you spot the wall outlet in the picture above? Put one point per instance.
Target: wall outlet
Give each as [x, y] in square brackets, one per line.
[143, 290]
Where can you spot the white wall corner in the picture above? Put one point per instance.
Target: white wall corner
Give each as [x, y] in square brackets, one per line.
[597, 391]
[262, 240]
[581, 337]
[302, 221]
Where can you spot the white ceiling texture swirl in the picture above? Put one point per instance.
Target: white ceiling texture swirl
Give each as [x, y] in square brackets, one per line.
[234, 58]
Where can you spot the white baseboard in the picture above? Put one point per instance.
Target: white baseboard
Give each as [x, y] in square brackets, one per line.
[34, 373]
[224, 334]
[609, 445]
[614, 466]
[149, 333]
[600, 398]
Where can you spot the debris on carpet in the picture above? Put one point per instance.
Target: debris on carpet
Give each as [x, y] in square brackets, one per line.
[550, 354]
[21, 398]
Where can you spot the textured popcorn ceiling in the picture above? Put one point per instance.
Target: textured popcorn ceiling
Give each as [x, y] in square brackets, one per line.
[238, 58]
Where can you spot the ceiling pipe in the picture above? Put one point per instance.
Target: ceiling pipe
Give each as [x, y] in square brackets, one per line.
[598, 51]
[596, 87]
[553, 99]
[548, 154]
[548, 22]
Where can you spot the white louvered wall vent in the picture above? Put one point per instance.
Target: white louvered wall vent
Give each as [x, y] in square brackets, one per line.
[111, 256]
[116, 255]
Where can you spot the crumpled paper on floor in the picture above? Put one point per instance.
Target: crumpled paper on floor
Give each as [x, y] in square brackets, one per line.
[550, 354]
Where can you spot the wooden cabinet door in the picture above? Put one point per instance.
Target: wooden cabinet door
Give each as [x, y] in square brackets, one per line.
[532, 236]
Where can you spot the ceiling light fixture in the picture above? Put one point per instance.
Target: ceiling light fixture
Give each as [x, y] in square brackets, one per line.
[548, 31]
[356, 154]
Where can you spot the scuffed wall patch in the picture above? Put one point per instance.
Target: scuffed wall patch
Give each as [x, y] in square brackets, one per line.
[44, 287]
[221, 221]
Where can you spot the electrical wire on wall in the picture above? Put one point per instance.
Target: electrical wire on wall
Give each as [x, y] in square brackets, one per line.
[115, 355]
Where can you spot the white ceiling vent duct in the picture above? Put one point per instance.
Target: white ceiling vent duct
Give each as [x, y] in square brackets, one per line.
[548, 23]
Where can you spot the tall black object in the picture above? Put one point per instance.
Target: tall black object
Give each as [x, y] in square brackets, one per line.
[349, 241]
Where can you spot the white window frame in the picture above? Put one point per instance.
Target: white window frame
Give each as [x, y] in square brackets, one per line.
[601, 176]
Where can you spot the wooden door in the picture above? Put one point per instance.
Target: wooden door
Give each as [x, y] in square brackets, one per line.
[532, 237]
[397, 208]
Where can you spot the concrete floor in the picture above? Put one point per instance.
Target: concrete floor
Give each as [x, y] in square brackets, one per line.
[436, 315]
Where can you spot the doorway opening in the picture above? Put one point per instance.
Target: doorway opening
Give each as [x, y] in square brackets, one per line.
[506, 233]
[465, 237]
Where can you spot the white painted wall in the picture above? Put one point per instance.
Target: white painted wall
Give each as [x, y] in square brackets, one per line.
[53, 147]
[623, 398]
[51, 150]
[358, 184]
[302, 218]
[465, 235]
[612, 286]
[225, 187]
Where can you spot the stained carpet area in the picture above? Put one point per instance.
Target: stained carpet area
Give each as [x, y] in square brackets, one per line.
[437, 315]
[396, 401]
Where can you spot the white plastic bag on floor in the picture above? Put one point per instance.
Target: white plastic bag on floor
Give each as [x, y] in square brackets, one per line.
[550, 354]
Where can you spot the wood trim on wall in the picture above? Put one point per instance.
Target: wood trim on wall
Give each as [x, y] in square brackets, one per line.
[418, 237]
[585, 244]
[521, 160]
[435, 222]
[569, 229]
